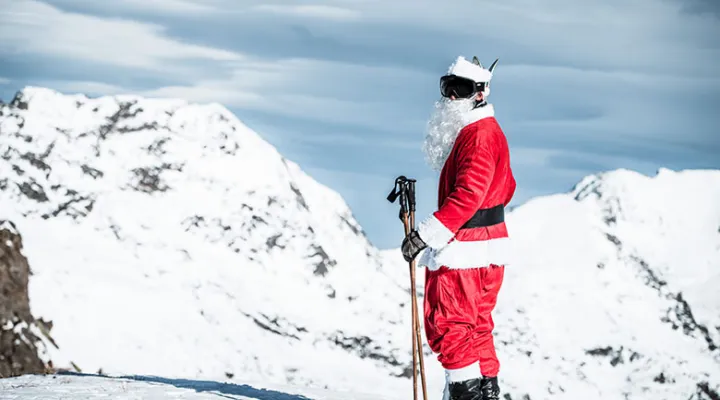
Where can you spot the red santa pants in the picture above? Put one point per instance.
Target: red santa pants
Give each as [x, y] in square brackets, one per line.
[458, 321]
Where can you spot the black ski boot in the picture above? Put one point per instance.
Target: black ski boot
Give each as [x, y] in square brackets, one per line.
[490, 389]
[466, 390]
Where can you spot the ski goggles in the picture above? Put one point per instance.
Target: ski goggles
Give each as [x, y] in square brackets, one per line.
[461, 88]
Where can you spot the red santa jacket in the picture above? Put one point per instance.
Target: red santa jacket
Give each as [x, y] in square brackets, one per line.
[476, 176]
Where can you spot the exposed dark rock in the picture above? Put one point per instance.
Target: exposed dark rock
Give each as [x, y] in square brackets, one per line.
[77, 206]
[94, 173]
[148, 179]
[196, 221]
[662, 379]
[37, 161]
[299, 196]
[705, 392]
[354, 228]
[111, 125]
[651, 278]
[33, 191]
[19, 101]
[7, 155]
[228, 149]
[158, 146]
[19, 330]
[590, 188]
[273, 325]
[323, 266]
[616, 356]
[143, 127]
[614, 240]
[365, 347]
[610, 219]
[272, 241]
[681, 316]
[612, 209]
[508, 396]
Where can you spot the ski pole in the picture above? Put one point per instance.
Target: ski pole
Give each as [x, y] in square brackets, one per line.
[404, 216]
[405, 189]
[411, 206]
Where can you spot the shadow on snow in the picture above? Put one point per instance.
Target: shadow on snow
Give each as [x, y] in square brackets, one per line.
[219, 388]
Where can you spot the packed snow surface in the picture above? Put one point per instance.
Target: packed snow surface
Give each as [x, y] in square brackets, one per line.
[169, 239]
[76, 387]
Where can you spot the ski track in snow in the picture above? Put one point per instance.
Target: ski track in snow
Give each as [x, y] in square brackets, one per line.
[168, 239]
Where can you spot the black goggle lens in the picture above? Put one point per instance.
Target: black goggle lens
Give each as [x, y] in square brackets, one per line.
[452, 85]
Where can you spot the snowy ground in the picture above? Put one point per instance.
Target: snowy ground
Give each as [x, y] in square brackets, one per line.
[88, 387]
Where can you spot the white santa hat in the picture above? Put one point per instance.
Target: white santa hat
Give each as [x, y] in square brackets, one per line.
[472, 70]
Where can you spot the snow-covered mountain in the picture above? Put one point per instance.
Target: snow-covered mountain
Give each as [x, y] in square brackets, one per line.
[167, 238]
[615, 293]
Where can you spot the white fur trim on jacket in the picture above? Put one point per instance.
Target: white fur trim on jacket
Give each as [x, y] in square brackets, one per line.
[466, 254]
[476, 114]
[466, 69]
[434, 233]
[472, 371]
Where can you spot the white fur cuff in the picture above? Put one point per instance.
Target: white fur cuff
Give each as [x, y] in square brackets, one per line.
[434, 233]
[462, 374]
[470, 254]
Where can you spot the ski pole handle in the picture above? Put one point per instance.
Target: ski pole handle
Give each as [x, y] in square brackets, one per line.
[411, 194]
[403, 198]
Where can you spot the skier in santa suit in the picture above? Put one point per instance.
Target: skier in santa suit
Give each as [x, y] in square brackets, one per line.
[464, 244]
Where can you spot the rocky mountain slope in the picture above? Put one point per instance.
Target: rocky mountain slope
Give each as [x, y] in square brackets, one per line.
[620, 295]
[167, 238]
[23, 338]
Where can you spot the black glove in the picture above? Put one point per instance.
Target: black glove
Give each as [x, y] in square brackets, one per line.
[412, 245]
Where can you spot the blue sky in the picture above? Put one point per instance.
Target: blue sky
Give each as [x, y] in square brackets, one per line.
[344, 87]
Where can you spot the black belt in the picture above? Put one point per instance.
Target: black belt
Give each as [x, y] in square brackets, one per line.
[486, 217]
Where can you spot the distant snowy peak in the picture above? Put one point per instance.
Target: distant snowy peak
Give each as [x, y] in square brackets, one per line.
[634, 196]
[615, 289]
[668, 228]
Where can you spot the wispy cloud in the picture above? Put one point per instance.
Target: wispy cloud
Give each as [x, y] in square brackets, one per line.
[311, 10]
[642, 35]
[305, 88]
[345, 86]
[37, 28]
[89, 88]
[323, 109]
[179, 7]
[618, 76]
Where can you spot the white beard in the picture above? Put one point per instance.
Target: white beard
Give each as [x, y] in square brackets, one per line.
[446, 121]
